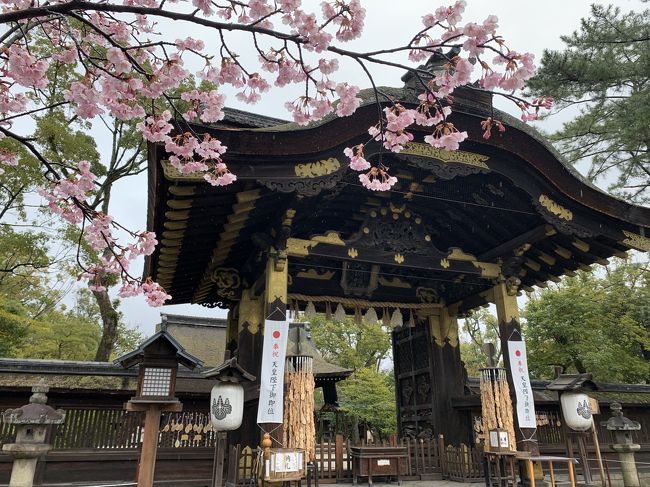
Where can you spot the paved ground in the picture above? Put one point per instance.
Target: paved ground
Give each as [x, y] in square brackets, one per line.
[406, 483]
[424, 483]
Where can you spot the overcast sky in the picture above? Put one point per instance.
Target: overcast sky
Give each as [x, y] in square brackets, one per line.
[527, 25]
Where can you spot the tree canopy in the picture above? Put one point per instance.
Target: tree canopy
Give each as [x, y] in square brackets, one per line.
[596, 321]
[604, 72]
[480, 327]
[349, 344]
[369, 394]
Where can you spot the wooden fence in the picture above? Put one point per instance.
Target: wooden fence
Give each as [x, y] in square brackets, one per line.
[108, 440]
[116, 429]
[334, 461]
[463, 464]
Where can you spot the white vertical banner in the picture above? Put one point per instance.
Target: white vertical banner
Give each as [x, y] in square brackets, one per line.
[274, 351]
[521, 382]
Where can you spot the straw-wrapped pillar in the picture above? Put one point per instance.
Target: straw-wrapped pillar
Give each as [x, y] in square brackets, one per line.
[299, 428]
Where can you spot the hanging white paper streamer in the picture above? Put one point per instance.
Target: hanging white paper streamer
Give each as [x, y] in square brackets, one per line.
[371, 316]
[396, 319]
[339, 314]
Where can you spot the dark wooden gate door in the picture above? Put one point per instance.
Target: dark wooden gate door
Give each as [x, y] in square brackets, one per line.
[414, 381]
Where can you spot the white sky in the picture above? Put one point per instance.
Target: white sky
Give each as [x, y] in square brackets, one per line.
[527, 25]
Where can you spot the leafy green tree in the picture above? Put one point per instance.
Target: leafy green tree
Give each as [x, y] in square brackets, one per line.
[13, 327]
[370, 395]
[64, 140]
[596, 321]
[349, 344]
[605, 72]
[479, 327]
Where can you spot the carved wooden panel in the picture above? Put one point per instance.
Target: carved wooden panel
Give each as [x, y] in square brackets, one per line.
[414, 381]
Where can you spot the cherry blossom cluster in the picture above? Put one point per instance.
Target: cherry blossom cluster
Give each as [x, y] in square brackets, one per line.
[130, 71]
[67, 198]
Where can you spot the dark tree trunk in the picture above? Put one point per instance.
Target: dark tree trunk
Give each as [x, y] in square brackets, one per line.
[110, 319]
[356, 440]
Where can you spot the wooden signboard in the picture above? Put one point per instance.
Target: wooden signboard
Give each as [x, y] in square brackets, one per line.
[285, 464]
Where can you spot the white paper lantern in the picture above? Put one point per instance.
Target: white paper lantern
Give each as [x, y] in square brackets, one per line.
[227, 406]
[576, 410]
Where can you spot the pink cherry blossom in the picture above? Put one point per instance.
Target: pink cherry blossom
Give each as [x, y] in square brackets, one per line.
[220, 176]
[356, 155]
[487, 125]
[190, 43]
[446, 136]
[328, 67]
[154, 293]
[377, 179]
[25, 68]
[348, 101]
[12, 102]
[84, 98]
[129, 289]
[156, 128]
[130, 70]
[67, 56]
[115, 56]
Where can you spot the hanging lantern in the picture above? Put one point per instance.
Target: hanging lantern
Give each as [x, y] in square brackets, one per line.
[227, 396]
[227, 406]
[576, 410]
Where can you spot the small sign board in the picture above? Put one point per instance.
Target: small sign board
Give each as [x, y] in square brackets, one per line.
[499, 440]
[285, 464]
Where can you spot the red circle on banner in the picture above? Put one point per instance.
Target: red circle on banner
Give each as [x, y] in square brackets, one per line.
[518, 353]
[276, 334]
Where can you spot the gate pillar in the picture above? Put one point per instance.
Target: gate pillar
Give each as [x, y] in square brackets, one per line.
[505, 298]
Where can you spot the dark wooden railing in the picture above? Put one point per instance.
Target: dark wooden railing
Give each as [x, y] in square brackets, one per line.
[463, 464]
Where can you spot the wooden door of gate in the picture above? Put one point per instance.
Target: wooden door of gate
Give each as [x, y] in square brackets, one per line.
[414, 382]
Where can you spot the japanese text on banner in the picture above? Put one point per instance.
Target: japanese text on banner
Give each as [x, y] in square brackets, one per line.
[270, 407]
[521, 382]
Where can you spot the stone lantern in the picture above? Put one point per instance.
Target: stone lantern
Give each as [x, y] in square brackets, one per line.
[622, 428]
[32, 422]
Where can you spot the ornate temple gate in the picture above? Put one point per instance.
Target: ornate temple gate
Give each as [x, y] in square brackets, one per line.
[459, 230]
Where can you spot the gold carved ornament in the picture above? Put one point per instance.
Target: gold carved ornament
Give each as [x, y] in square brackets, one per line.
[636, 241]
[316, 169]
[459, 156]
[227, 280]
[555, 208]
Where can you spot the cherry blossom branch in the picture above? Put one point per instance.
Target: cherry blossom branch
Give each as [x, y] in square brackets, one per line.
[129, 76]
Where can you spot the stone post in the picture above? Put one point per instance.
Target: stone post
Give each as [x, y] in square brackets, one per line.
[624, 446]
[31, 422]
